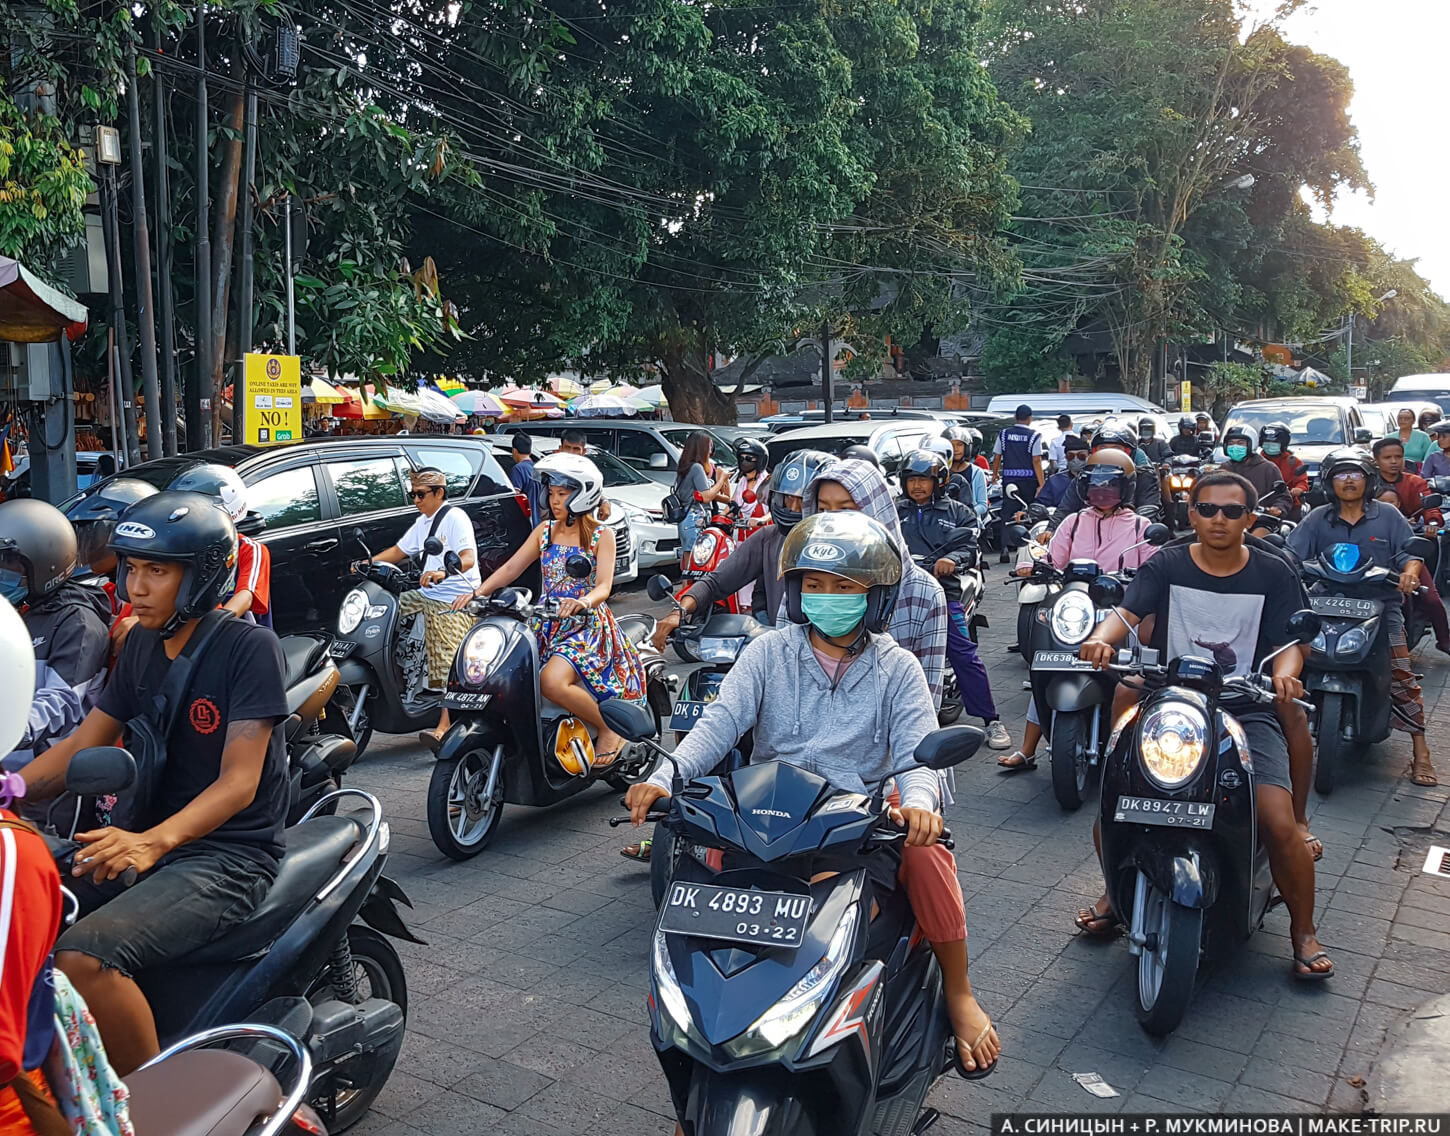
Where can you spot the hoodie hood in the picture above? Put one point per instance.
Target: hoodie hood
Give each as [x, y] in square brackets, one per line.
[73, 593]
[867, 486]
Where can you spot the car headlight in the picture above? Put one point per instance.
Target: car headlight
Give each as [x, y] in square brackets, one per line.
[790, 1015]
[354, 607]
[633, 513]
[1173, 738]
[1319, 643]
[1073, 617]
[480, 650]
[704, 547]
[1351, 643]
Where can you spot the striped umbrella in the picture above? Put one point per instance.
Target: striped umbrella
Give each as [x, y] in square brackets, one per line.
[530, 399]
[480, 403]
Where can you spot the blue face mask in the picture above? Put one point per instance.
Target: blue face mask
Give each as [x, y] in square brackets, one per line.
[833, 615]
[1236, 453]
[1273, 449]
[13, 586]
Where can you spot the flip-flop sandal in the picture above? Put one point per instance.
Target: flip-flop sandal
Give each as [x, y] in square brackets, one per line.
[1023, 766]
[638, 851]
[430, 739]
[1098, 924]
[977, 1074]
[600, 763]
[1316, 846]
[1309, 974]
[1423, 780]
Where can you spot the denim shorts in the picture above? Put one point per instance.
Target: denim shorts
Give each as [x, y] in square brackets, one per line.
[179, 906]
[1267, 746]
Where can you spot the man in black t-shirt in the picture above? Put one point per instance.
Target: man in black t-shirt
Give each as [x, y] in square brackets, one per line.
[1220, 597]
[207, 843]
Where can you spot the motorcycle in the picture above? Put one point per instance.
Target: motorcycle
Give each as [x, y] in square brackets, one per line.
[1074, 701]
[1347, 674]
[1417, 616]
[972, 584]
[778, 1005]
[382, 658]
[717, 540]
[1183, 472]
[1033, 588]
[302, 960]
[320, 747]
[507, 744]
[1181, 856]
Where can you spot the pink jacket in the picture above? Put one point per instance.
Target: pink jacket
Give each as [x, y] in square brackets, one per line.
[1088, 535]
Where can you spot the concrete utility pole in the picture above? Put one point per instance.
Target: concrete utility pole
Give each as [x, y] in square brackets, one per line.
[830, 413]
[244, 285]
[141, 243]
[167, 345]
[198, 425]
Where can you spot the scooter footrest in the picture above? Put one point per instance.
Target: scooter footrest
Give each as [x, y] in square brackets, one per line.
[897, 1115]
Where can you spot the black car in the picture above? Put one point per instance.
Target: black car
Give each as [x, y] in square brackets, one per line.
[314, 495]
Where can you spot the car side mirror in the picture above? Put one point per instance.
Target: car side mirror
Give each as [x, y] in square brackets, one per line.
[632, 720]
[1363, 435]
[1303, 626]
[658, 588]
[1432, 500]
[944, 748]
[99, 770]
[1106, 591]
[659, 461]
[433, 546]
[1157, 535]
[452, 563]
[578, 567]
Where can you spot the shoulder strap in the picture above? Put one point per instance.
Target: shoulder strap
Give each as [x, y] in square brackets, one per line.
[178, 676]
[438, 520]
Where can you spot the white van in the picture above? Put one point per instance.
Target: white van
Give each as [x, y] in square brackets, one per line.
[1422, 388]
[1047, 405]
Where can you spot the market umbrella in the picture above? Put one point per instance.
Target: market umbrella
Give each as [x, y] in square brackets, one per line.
[529, 399]
[436, 408]
[356, 406]
[602, 405]
[599, 386]
[398, 401]
[565, 387]
[33, 312]
[449, 387]
[651, 396]
[321, 391]
[481, 403]
[623, 390]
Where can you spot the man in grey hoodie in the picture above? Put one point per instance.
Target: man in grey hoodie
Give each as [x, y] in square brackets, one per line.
[841, 699]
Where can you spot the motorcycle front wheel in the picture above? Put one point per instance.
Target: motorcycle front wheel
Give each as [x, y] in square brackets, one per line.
[1069, 758]
[1332, 750]
[460, 821]
[1026, 616]
[1168, 963]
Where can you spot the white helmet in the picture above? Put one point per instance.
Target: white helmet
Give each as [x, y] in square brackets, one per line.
[216, 480]
[577, 472]
[17, 677]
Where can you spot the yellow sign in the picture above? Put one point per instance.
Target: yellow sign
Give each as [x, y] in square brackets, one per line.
[272, 394]
[1185, 395]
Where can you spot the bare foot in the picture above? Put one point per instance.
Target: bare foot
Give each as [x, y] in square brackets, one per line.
[977, 1043]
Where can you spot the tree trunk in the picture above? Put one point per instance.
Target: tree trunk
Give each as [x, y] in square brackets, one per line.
[222, 241]
[688, 387]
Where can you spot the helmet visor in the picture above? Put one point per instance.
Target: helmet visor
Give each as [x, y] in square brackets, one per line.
[1104, 486]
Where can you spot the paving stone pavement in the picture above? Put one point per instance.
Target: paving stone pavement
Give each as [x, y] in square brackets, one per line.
[527, 1009]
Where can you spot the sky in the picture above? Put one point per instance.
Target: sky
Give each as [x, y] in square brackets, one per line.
[1398, 54]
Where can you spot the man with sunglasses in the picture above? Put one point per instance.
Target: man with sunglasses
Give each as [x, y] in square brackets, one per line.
[1223, 598]
[1353, 516]
[443, 628]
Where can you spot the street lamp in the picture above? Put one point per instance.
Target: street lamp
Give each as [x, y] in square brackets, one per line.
[1245, 181]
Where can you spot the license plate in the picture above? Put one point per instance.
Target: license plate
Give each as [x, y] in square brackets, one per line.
[1059, 661]
[341, 648]
[465, 700]
[1344, 606]
[739, 915]
[1170, 814]
[685, 714]
[713, 649]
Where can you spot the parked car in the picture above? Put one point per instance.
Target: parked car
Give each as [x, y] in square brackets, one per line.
[1316, 424]
[1047, 405]
[1422, 388]
[891, 440]
[652, 448]
[795, 419]
[92, 465]
[313, 495]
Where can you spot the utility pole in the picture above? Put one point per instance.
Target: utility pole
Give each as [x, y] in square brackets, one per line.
[244, 286]
[830, 413]
[198, 425]
[1349, 351]
[141, 238]
[167, 345]
[291, 296]
[126, 391]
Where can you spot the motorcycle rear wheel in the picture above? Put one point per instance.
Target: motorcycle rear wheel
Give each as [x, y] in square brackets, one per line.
[459, 820]
[1069, 758]
[1167, 972]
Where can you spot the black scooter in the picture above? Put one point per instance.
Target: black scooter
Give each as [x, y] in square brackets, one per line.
[1178, 821]
[320, 746]
[972, 584]
[299, 961]
[507, 743]
[779, 1007]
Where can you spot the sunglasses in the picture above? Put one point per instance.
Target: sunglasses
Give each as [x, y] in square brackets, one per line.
[1209, 510]
[419, 494]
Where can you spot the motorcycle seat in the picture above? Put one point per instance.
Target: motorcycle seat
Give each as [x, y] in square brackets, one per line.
[202, 1092]
[637, 628]
[314, 851]
[301, 655]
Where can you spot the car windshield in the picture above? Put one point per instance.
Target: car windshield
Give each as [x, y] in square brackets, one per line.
[722, 453]
[1309, 424]
[1438, 396]
[615, 472]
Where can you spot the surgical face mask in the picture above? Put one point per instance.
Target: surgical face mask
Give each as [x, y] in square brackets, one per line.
[1273, 449]
[1076, 465]
[1236, 453]
[13, 585]
[834, 615]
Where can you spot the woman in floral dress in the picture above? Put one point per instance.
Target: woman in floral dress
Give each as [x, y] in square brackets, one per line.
[585, 658]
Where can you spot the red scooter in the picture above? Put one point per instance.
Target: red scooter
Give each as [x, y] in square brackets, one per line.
[728, 526]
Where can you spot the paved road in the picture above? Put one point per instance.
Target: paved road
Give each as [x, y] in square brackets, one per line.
[528, 1003]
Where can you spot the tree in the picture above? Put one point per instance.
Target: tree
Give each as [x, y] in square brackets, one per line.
[43, 185]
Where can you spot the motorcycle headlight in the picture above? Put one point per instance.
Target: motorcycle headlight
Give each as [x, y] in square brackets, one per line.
[670, 997]
[1319, 643]
[704, 547]
[1173, 739]
[354, 607]
[1351, 643]
[791, 1014]
[480, 650]
[1073, 617]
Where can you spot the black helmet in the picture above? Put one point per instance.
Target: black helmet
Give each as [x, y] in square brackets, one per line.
[95, 514]
[1147, 427]
[1348, 458]
[1113, 433]
[1441, 427]
[1189, 423]
[926, 463]
[1275, 432]
[789, 479]
[181, 528]
[37, 549]
[861, 453]
[846, 544]
[749, 448]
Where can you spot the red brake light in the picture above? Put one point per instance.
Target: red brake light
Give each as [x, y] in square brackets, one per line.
[523, 500]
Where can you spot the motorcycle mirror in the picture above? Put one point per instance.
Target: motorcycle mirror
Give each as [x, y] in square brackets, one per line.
[251, 524]
[1303, 625]
[1106, 591]
[357, 535]
[1015, 537]
[453, 563]
[632, 720]
[578, 567]
[1157, 535]
[433, 546]
[1432, 501]
[1316, 497]
[749, 496]
[658, 588]
[1276, 539]
[1420, 548]
[1277, 487]
[98, 770]
[1037, 511]
[949, 746]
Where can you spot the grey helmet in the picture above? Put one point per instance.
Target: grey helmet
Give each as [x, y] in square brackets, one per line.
[846, 544]
[789, 479]
[37, 549]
